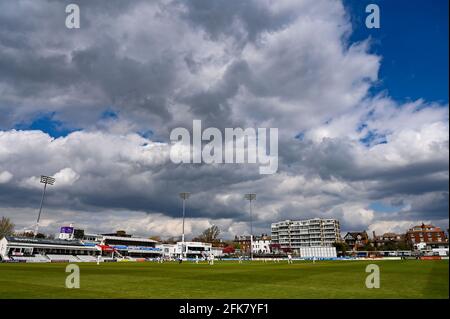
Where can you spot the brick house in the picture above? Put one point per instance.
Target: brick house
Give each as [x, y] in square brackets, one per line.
[356, 240]
[424, 234]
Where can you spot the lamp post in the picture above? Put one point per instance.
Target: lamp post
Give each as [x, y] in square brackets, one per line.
[250, 197]
[184, 196]
[44, 180]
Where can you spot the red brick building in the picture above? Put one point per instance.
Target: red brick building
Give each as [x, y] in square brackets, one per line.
[243, 242]
[425, 234]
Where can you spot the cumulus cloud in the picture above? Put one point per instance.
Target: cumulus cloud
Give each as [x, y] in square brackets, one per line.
[5, 177]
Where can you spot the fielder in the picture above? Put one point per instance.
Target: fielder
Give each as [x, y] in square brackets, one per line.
[289, 259]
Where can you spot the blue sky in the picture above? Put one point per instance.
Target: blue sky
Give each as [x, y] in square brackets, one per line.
[413, 41]
[47, 123]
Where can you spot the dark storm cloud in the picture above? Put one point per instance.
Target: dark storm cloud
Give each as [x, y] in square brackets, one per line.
[431, 205]
[29, 73]
[202, 181]
[243, 20]
[12, 195]
[30, 70]
[125, 81]
[336, 158]
[212, 105]
[423, 207]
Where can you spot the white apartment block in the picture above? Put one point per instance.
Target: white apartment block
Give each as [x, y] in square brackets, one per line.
[316, 232]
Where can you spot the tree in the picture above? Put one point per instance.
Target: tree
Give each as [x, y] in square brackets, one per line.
[30, 234]
[121, 233]
[341, 247]
[210, 234]
[229, 250]
[367, 247]
[403, 245]
[390, 245]
[395, 245]
[155, 238]
[26, 234]
[172, 240]
[6, 227]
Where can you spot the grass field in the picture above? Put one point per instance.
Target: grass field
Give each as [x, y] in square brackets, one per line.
[325, 279]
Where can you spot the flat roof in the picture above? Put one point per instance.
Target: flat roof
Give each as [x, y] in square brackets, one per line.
[43, 241]
[137, 239]
[194, 243]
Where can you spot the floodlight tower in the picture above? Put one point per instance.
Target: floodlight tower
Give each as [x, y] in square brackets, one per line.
[250, 197]
[184, 196]
[46, 180]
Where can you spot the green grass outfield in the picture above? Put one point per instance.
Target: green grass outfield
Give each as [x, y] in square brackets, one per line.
[227, 279]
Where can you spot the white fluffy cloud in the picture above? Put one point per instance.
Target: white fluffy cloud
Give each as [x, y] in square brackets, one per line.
[5, 177]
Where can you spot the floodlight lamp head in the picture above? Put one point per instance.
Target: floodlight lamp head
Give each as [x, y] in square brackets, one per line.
[251, 196]
[185, 195]
[47, 180]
